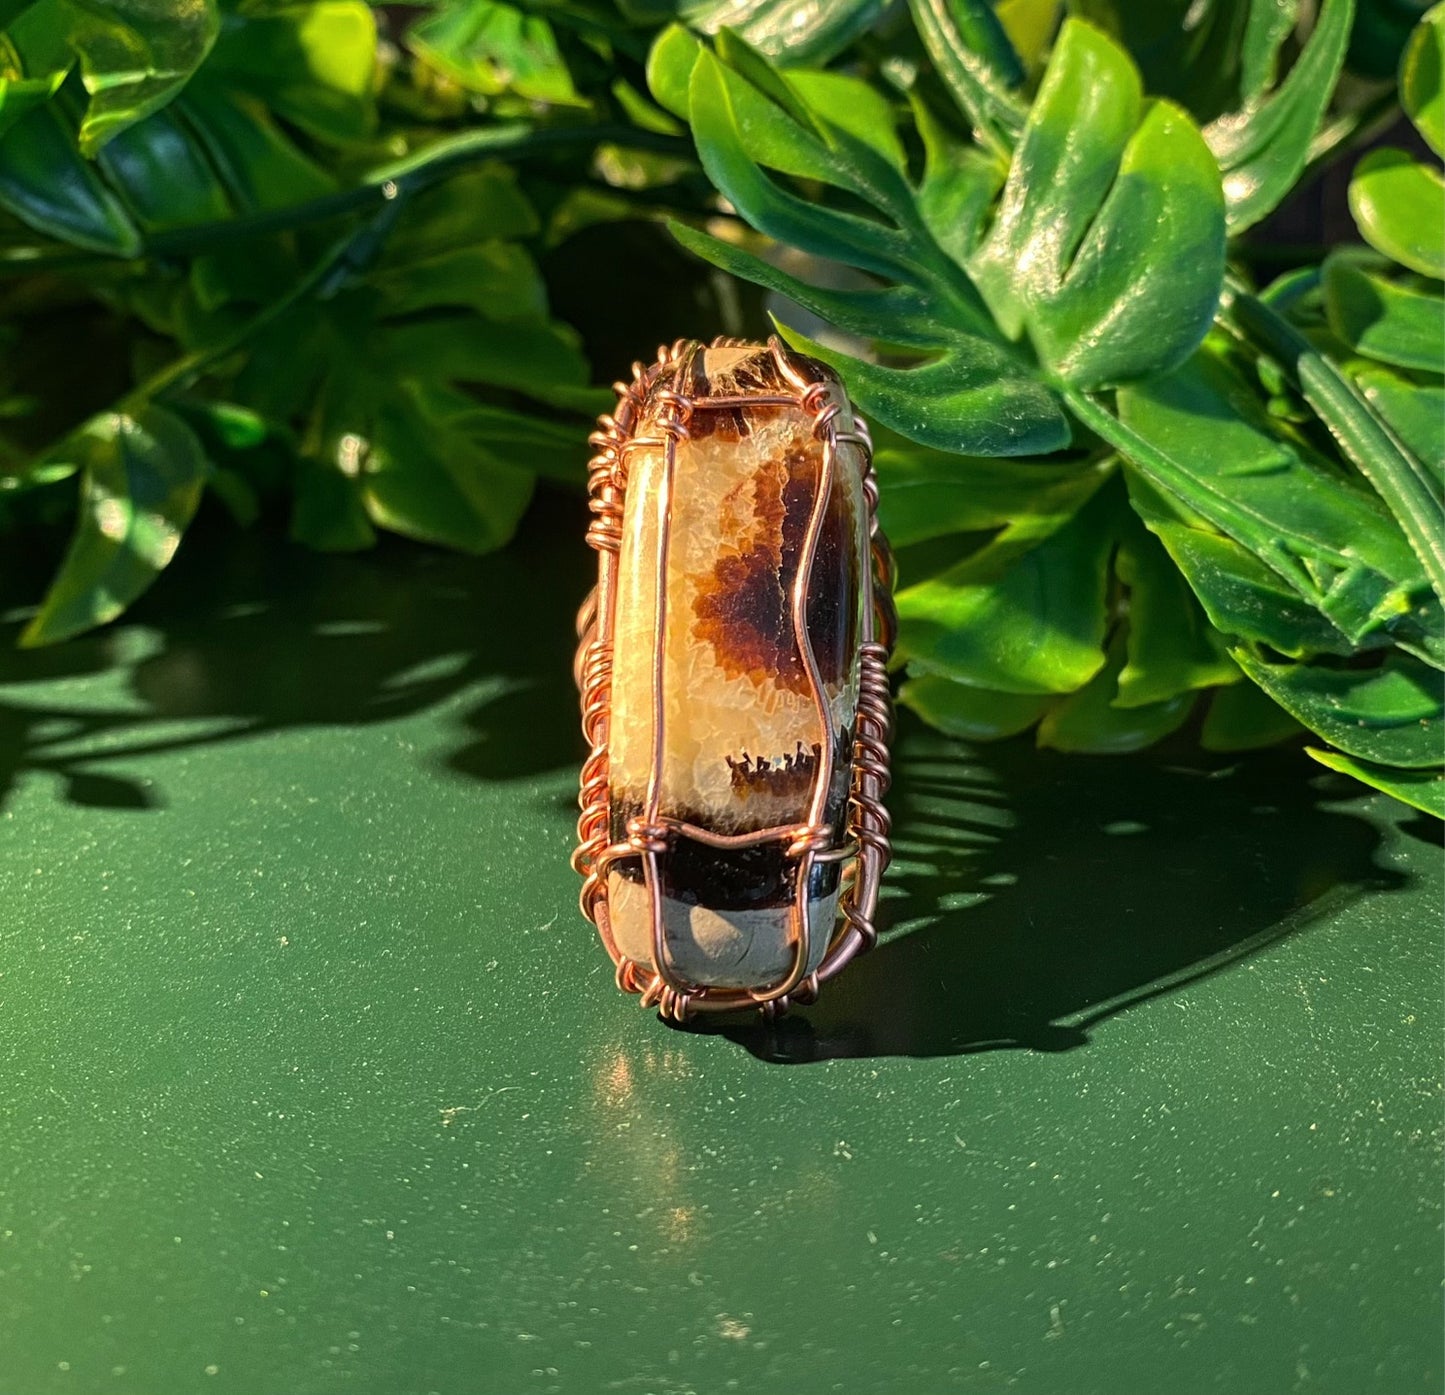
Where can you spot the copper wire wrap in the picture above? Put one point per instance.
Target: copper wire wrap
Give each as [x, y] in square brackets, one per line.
[865, 850]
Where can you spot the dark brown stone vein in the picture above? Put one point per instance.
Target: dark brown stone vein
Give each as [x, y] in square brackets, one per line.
[778, 777]
[743, 607]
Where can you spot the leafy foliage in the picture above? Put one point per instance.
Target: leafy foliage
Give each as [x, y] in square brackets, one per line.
[1131, 486]
[1270, 499]
[278, 230]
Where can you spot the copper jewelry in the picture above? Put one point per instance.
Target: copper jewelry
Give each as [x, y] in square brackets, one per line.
[733, 671]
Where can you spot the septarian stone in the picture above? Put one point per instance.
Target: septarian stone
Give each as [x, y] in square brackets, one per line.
[742, 736]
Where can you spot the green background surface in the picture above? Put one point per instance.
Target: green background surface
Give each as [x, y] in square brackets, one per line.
[313, 1080]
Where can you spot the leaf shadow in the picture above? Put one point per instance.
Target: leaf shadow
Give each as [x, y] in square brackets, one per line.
[1033, 895]
[248, 635]
[1036, 895]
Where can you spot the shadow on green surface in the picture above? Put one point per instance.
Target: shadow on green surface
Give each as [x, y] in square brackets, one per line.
[1036, 895]
[1423, 829]
[1033, 895]
[251, 635]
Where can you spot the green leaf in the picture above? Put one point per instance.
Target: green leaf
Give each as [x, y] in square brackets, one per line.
[135, 56]
[1094, 721]
[18, 475]
[1241, 596]
[547, 449]
[1266, 26]
[791, 31]
[312, 63]
[160, 170]
[497, 279]
[327, 511]
[974, 400]
[1061, 172]
[1130, 211]
[974, 714]
[473, 205]
[1262, 148]
[745, 113]
[1335, 544]
[1415, 413]
[643, 113]
[1036, 625]
[490, 48]
[929, 494]
[1399, 205]
[977, 395]
[897, 314]
[1171, 647]
[1390, 714]
[373, 366]
[1422, 78]
[731, 139]
[670, 62]
[1411, 490]
[759, 79]
[143, 474]
[1108, 245]
[973, 55]
[1382, 320]
[1245, 718]
[1420, 789]
[391, 447]
[259, 165]
[531, 357]
[26, 83]
[426, 482]
[46, 184]
[852, 105]
[960, 182]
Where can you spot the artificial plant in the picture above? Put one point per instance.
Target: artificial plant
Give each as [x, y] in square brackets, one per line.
[1142, 463]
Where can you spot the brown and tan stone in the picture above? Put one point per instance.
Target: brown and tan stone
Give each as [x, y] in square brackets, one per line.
[742, 737]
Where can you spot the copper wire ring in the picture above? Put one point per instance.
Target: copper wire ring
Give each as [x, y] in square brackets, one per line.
[865, 850]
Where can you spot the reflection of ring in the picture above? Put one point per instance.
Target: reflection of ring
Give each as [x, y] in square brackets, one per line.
[733, 669]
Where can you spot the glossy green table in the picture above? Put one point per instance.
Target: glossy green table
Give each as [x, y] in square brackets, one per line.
[312, 1079]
